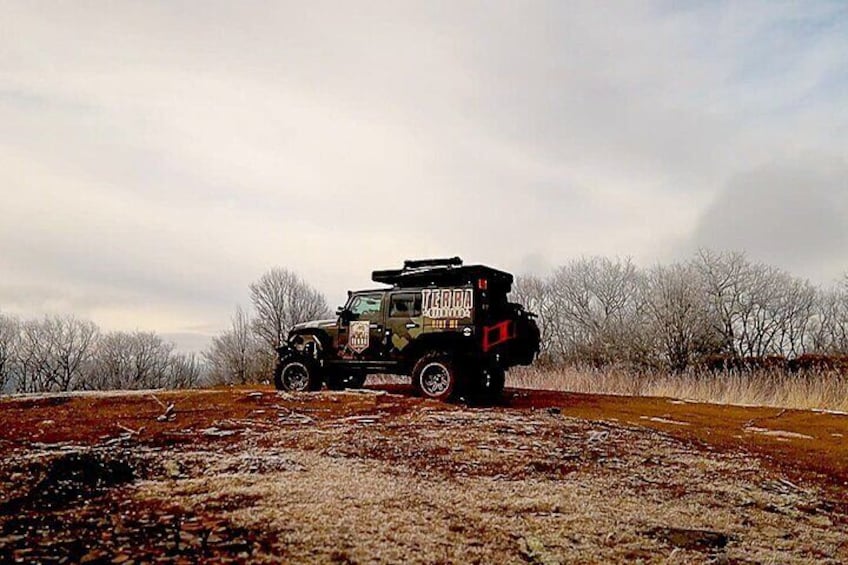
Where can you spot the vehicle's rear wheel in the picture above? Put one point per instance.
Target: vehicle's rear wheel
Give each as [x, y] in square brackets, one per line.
[436, 376]
[296, 374]
[341, 381]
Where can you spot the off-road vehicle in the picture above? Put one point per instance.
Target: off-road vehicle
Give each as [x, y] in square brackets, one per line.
[447, 325]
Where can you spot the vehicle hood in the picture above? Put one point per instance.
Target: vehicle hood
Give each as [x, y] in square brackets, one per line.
[314, 324]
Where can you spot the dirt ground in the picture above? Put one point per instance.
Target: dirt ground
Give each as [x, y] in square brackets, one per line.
[380, 476]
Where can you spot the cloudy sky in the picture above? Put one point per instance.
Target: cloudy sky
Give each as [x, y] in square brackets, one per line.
[156, 157]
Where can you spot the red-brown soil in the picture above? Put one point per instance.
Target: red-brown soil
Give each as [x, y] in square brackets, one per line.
[823, 457]
[91, 419]
[203, 466]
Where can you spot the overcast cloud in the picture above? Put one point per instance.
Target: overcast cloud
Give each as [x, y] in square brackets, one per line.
[157, 157]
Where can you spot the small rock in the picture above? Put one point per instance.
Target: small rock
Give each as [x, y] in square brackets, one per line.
[598, 436]
[172, 468]
[92, 556]
[689, 539]
[534, 550]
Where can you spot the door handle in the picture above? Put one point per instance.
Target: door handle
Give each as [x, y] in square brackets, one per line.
[411, 325]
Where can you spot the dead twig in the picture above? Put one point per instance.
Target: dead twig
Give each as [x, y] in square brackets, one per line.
[790, 484]
[750, 422]
[130, 431]
[159, 402]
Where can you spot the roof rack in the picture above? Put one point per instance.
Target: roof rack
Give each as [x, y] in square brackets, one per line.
[451, 272]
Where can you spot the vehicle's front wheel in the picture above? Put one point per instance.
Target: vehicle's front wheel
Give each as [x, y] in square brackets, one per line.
[436, 375]
[296, 374]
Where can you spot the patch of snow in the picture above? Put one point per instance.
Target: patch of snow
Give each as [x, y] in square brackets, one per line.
[215, 432]
[831, 412]
[665, 421]
[99, 393]
[781, 434]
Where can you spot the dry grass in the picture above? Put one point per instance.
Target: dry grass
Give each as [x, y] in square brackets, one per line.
[246, 475]
[819, 390]
[447, 486]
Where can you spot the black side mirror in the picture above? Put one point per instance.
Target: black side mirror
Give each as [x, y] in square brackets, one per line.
[343, 314]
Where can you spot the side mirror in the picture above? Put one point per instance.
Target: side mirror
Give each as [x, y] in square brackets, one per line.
[343, 314]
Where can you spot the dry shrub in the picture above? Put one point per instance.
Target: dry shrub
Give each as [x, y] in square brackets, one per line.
[819, 389]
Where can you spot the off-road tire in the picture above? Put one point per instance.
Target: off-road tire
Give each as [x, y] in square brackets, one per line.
[296, 374]
[341, 381]
[436, 375]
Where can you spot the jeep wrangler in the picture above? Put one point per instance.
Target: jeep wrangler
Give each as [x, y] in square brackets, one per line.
[447, 325]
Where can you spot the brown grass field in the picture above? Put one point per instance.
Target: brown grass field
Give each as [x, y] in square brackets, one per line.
[380, 476]
[826, 390]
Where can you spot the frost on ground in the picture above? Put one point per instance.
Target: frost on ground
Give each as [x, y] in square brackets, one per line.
[304, 478]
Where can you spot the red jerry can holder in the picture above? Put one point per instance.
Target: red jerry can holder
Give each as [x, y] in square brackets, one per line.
[497, 333]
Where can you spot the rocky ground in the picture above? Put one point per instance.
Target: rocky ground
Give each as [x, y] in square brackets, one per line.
[252, 475]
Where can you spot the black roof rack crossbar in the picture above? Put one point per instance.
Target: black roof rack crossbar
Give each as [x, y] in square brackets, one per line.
[423, 263]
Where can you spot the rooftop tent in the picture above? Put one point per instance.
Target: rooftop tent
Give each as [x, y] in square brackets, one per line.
[443, 272]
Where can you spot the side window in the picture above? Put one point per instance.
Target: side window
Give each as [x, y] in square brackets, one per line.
[405, 305]
[366, 306]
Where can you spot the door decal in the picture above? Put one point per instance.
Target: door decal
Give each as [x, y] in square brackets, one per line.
[360, 335]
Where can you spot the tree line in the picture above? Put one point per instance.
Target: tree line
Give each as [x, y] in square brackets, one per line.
[64, 353]
[720, 310]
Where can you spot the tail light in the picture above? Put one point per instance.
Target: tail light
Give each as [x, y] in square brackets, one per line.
[482, 284]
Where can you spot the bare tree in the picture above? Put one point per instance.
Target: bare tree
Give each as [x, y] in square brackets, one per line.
[795, 315]
[724, 279]
[280, 300]
[534, 294]
[152, 360]
[829, 328]
[759, 310]
[186, 371]
[54, 353]
[236, 355]
[136, 360]
[9, 329]
[677, 315]
[112, 362]
[593, 312]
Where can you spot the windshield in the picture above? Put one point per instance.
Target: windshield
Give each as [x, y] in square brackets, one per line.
[365, 306]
